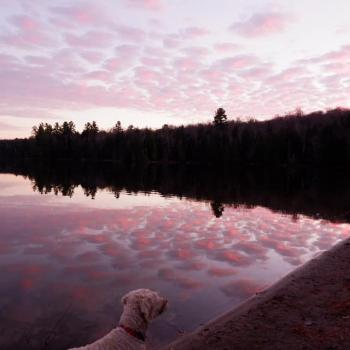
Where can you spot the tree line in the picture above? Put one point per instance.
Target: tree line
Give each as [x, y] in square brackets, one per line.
[319, 193]
[317, 138]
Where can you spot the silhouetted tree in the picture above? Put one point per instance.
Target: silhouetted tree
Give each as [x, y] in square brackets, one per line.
[118, 127]
[68, 129]
[318, 139]
[217, 208]
[220, 116]
[57, 129]
[90, 129]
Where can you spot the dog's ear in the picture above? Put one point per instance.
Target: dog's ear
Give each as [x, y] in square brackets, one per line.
[145, 308]
[150, 306]
[124, 299]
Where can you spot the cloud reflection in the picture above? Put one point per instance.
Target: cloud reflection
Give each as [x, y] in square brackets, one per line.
[88, 257]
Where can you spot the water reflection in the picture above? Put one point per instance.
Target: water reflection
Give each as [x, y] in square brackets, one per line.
[319, 193]
[66, 261]
[217, 208]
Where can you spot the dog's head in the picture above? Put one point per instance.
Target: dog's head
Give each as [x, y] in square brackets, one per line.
[148, 302]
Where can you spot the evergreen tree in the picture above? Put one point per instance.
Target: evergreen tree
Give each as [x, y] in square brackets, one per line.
[118, 127]
[90, 129]
[220, 116]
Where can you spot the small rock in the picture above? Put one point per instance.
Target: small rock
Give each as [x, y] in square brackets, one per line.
[308, 323]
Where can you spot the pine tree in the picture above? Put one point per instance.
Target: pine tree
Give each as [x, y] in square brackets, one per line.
[220, 116]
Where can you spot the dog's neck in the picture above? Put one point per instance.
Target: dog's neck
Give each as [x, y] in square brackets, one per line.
[133, 319]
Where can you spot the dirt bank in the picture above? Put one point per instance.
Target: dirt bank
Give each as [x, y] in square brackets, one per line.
[308, 309]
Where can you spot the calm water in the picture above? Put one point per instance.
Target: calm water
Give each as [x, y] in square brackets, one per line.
[66, 261]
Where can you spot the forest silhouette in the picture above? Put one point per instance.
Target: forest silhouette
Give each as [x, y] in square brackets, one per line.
[317, 193]
[319, 138]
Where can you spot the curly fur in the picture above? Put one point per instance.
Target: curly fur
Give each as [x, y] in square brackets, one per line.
[140, 307]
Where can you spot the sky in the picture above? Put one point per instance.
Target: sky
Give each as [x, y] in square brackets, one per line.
[154, 62]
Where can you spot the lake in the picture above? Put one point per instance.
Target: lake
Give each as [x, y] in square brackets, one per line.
[71, 245]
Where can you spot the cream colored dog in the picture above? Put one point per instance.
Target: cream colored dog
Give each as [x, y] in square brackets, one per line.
[140, 307]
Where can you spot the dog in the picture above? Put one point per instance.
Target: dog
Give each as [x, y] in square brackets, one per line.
[140, 307]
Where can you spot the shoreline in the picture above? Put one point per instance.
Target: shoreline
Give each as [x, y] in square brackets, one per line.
[307, 309]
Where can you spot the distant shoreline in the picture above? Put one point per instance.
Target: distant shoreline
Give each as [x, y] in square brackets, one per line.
[317, 139]
[307, 309]
[320, 193]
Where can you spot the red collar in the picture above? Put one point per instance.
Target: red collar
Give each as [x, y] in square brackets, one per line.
[133, 333]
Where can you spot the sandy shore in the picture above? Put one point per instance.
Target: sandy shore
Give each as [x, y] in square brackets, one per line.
[308, 309]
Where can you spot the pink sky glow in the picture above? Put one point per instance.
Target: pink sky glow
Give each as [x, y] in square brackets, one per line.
[151, 62]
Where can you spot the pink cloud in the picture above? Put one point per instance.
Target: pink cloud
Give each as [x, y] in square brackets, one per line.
[258, 73]
[289, 74]
[235, 258]
[130, 33]
[29, 33]
[236, 62]
[26, 23]
[213, 75]
[155, 51]
[282, 247]
[196, 51]
[115, 64]
[226, 47]
[188, 63]
[82, 15]
[91, 39]
[8, 61]
[102, 75]
[161, 84]
[151, 5]
[182, 254]
[191, 33]
[337, 67]
[152, 61]
[66, 62]
[172, 41]
[125, 57]
[252, 248]
[127, 51]
[175, 40]
[221, 272]
[262, 24]
[178, 279]
[148, 254]
[189, 283]
[156, 23]
[342, 54]
[91, 56]
[97, 239]
[192, 265]
[208, 244]
[38, 60]
[112, 249]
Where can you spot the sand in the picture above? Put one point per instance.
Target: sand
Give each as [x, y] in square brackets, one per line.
[308, 309]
